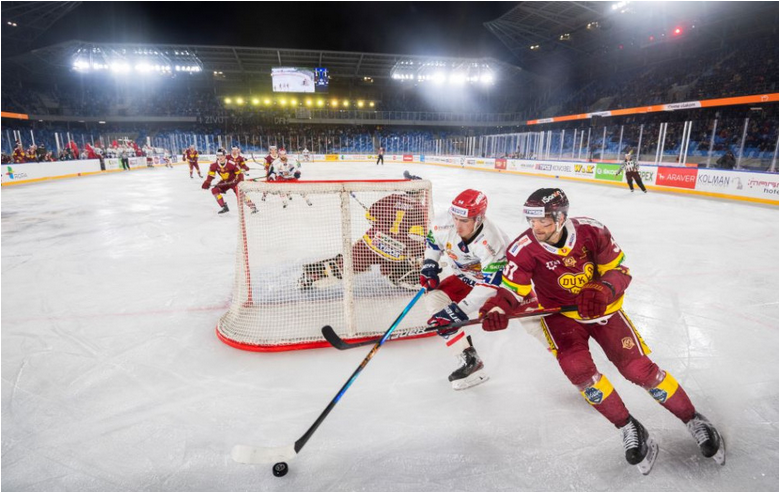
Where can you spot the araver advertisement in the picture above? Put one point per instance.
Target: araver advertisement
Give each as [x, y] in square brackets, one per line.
[683, 178]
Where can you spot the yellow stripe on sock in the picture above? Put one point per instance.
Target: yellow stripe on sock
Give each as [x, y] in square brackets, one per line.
[665, 389]
[596, 393]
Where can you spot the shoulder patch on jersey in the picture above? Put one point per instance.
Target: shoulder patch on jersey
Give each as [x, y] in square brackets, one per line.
[519, 245]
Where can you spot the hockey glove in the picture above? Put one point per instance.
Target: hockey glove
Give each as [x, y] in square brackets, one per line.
[592, 300]
[451, 314]
[504, 303]
[429, 274]
[206, 184]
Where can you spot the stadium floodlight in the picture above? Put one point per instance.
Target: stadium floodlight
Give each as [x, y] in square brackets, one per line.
[309, 102]
[439, 78]
[360, 104]
[335, 102]
[320, 102]
[256, 101]
[227, 101]
[81, 65]
[346, 103]
[621, 5]
[293, 101]
[267, 101]
[487, 78]
[143, 67]
[120, 67]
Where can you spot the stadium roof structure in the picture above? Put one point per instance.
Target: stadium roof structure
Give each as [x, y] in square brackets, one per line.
[582, 32]
[243, 60]
[23, 22]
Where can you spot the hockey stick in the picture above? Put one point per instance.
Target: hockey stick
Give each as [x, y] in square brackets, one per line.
[341, 344]
[252, 454]
[360, 202]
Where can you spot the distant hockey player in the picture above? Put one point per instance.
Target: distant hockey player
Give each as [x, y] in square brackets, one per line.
[238, 159]
[191, 156]
[380, 156]
[269, 159]
[18, 153]
[476, 252]
[631, 168]
[306, 155]
[395, 242]
[167, 160]
[285, 170]
[230, 176]
[575, 261]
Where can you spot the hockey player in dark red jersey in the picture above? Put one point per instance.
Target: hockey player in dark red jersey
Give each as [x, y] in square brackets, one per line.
[230, 176]
[18, 154]
[191, 156]
[395, 242]
[269, 159]
[575, 261]
[238, 159]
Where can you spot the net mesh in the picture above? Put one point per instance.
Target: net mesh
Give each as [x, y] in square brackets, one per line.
[346, 254]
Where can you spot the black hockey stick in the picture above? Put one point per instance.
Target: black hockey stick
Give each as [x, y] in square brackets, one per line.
[341, 344]
[252, 454]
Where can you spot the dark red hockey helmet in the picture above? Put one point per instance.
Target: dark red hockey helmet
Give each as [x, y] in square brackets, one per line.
[469, 203]
[546, 202]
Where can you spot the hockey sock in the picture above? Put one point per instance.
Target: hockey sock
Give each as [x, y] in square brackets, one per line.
[672, 397]
[601, 395]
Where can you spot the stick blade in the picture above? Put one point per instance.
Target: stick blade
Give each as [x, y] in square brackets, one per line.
[243, 453]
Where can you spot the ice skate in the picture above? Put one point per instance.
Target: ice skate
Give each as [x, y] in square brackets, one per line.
[710, 441]
[224, 210]
[471, 372]
[320, 274]
[640, 449]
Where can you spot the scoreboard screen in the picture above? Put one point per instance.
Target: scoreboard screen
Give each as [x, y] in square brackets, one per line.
[300, 80]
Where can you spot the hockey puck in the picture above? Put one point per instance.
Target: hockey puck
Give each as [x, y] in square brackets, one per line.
[280, 469]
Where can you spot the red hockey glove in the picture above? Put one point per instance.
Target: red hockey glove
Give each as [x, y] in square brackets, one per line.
[593, 299]
[206, 184]
[496, 320]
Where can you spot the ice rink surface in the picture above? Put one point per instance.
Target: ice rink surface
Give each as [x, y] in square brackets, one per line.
[113, 378]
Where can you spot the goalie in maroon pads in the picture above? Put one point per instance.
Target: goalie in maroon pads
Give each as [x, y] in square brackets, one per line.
[575, 261]
[230, 176]
[395, 242]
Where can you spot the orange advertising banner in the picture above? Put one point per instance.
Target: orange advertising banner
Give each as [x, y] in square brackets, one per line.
[737, 100]
[20, 116]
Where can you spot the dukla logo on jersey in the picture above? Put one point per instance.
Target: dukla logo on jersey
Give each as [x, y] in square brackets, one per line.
[573, 282]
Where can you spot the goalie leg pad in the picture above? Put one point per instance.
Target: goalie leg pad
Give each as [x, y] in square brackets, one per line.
[322, 273]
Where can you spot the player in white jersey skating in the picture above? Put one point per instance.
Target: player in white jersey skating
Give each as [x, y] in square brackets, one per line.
[285, 170]
[475, 249]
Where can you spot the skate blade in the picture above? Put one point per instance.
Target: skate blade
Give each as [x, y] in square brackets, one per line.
[648, 462]
[720, 455]
[472, 380]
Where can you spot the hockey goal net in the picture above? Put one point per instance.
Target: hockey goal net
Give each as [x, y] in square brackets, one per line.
[346, 254]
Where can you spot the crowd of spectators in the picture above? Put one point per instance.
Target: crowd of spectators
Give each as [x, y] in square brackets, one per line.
[751, 67]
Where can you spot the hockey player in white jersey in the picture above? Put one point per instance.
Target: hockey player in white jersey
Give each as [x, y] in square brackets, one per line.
[286, 170]
[475, 250]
